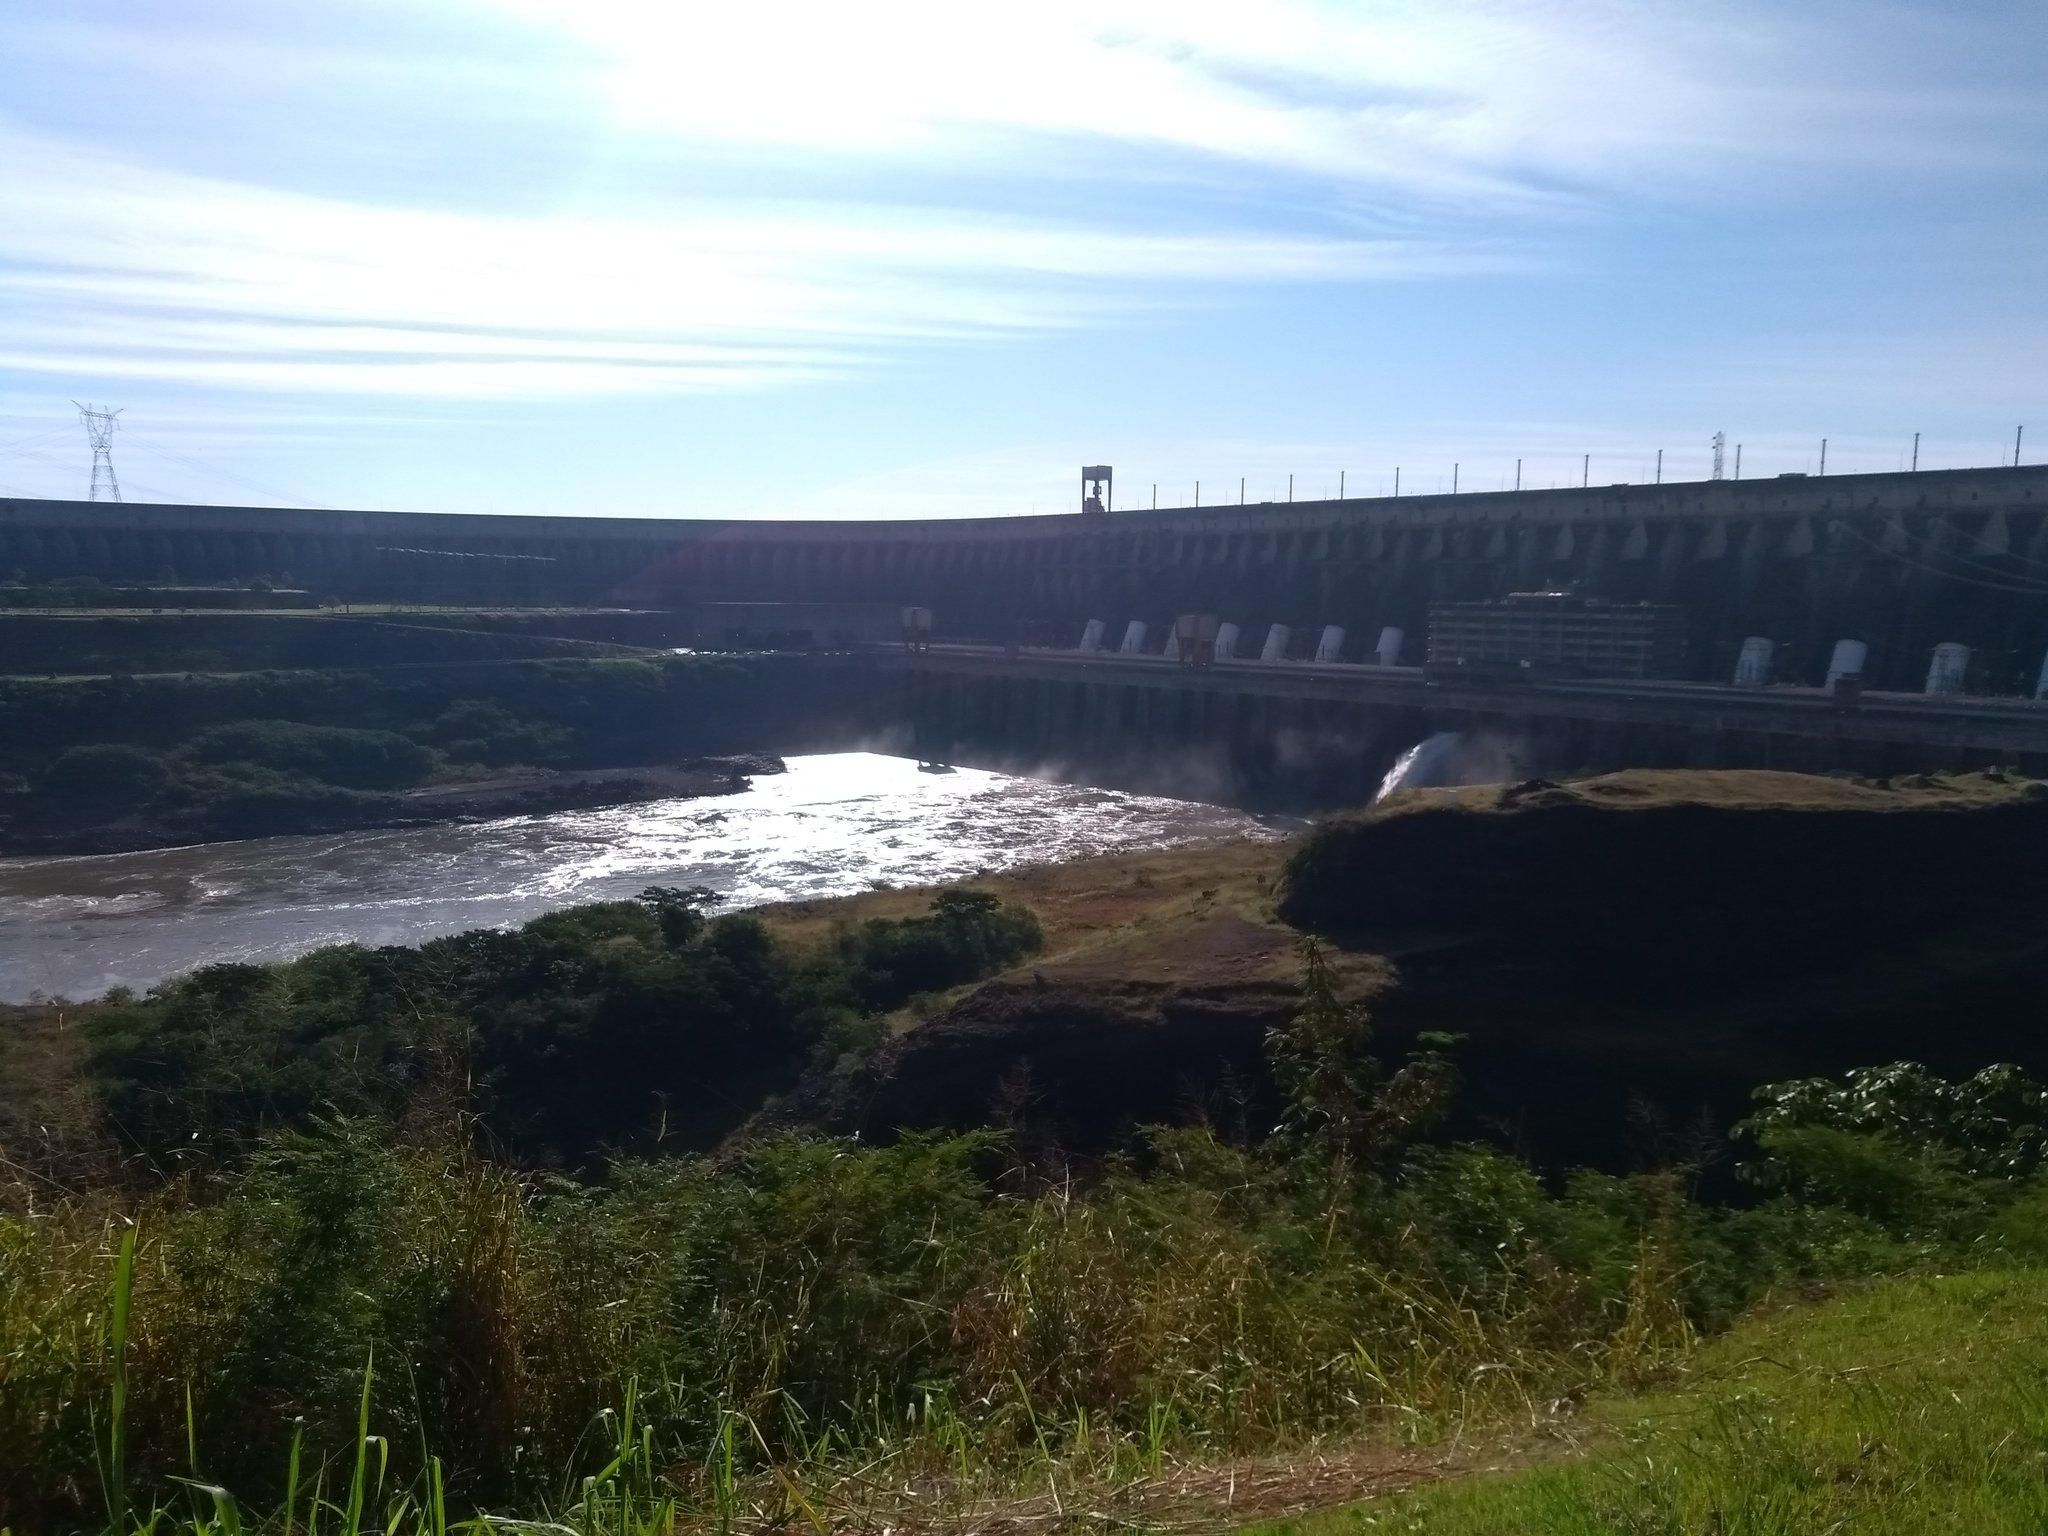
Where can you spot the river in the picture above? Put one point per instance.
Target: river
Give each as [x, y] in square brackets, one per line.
[833, 825]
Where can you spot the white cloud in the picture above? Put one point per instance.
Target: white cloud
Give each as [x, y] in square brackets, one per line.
[1441, 98]
[1456, 122]
[118, 269]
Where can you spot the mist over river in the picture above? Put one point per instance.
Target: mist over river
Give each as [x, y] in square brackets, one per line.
[831, 826]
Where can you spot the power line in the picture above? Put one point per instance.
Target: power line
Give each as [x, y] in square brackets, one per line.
[215, 470]
[21, 445]
[2035, 589]
[1929, 554]
[150, 492]
[1976, 560]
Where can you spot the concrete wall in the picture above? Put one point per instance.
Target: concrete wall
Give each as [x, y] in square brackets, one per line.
[1233, 738]
[1901, 561]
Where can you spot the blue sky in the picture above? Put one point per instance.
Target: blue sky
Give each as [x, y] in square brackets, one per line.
[927, 258]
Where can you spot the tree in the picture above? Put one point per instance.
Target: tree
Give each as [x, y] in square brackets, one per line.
[966, 906]
[1341, 1099]
[679, 910]
[1993, 1124]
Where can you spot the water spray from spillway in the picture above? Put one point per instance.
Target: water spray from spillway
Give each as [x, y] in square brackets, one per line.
[1429, 761]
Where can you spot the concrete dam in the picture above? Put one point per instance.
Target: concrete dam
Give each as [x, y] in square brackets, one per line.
[1895, 565]
[1899, 562]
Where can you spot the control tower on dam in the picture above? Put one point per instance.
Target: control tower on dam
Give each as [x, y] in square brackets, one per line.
[1899, 563]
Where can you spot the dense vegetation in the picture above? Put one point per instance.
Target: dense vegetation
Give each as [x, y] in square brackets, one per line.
[252, 777]
[237, 754]
[155, 643]
[634, 1025]
[788, 1325]
[599, 707]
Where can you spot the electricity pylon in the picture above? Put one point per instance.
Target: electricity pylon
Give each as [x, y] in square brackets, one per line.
[99, 427]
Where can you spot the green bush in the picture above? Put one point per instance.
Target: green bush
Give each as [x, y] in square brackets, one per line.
[212, 1059]
[592, 1030]
[480, 731]
[107, 771]
[1993, 1123]
[574, 711]
[242, 800]
[967, 935]
[354, 759]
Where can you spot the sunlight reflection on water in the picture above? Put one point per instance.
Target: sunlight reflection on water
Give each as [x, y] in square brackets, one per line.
[832, 825]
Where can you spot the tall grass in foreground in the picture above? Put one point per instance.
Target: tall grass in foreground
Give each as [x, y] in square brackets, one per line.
[818, 1333]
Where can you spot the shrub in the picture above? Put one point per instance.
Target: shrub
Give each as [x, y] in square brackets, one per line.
[967, 935]
[355, 759]
[1994, 1122]
[212, 1060]
[245, 800]
[1341, 1098]
[480, 731]
[107, 771]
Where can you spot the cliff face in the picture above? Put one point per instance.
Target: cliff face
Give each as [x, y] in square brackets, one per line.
[1645, 948]
[1626, 958]
[1163, 1025]
[1687, 864]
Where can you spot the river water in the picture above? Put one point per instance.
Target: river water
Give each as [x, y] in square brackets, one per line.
[832, 825]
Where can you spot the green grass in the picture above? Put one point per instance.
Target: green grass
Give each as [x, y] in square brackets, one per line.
[1915, 1406]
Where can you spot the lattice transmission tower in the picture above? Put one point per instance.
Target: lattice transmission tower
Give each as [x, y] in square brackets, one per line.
[99, 427]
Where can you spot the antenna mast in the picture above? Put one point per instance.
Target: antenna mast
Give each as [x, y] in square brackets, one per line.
[99, 427]
[1720, 453]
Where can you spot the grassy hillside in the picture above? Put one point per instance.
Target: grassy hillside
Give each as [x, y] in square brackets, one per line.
[1091, 911]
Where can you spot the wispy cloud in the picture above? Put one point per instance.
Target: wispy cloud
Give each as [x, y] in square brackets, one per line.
[1327, 143]
[1442, 98]
[117, 268]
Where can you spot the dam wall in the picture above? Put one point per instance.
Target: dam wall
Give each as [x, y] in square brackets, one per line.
[1295, 738]
[1900, 562]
